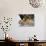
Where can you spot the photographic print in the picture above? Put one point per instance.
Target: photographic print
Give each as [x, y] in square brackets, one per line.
[26, 19]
